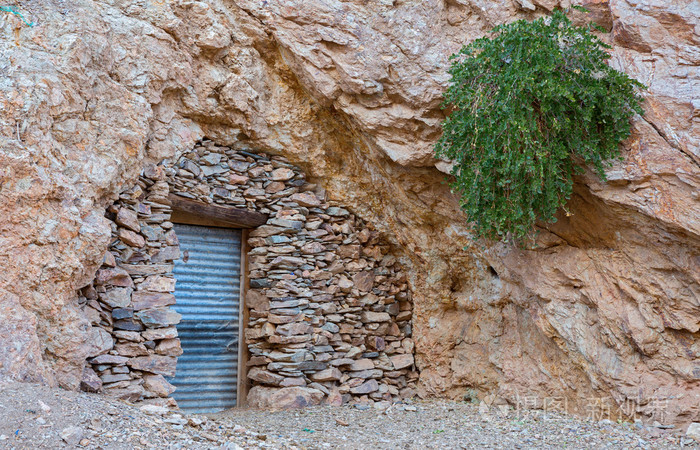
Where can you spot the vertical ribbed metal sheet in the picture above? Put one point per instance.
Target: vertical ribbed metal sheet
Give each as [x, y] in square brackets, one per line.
[207, 294]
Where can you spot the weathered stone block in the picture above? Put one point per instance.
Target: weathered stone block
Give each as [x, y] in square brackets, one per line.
[147, 300]
[157, 283]
[163, 365]
[285, 398]
[131, 238]
[128, 218]
[330, 374]
[366, 388]
[361, 364]
[158, 385]
[159, 317]
[265, 377]
[117, 297]
[169, 347]
[371, 316]
[153, 334]
[402, 361]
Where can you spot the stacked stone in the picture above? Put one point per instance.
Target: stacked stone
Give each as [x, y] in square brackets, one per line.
[329, 306]
[330, 309]
[134, 338]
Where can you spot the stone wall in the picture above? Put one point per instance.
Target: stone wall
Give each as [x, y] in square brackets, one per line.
[329, 306]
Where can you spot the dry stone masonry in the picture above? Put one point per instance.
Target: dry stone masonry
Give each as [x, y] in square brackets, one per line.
[329, 306]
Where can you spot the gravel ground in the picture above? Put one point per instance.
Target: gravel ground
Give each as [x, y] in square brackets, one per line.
[37, 417]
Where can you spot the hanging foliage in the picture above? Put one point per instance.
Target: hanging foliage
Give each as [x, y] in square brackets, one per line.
[529, 104]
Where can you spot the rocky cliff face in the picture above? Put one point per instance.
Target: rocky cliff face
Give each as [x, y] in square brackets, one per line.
[603, 311]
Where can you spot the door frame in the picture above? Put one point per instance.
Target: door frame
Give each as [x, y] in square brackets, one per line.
[190, 212]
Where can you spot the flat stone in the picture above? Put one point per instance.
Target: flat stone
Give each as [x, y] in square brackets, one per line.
[374, 317]
[169, 347]
[402, 361]
[364, 374]
[285, 398]
[330, 374]
[129, 393]
[367, 387]
[296, 357]
[239, 166]
[122, 313]
[282, 319]
[282, 174]
[114, 277]
[163, 365]
[100, 341]
[337, 212]
[312, 248]
[113, 378]
[166, 254]
[128, 218]
[149, 269]
[128, 335]
[158, 385]
[260, 283]
[376, 342]
[265, 377]
[131, 349]
[213, 170]
[364, 281]
[132, 239]
[342, 362]
[159, 317]
[153, 334]
[291, 303]
[191, 166]
[308, 199]
[157, 283]
[264, 231]
[335, 398]
[291, 329]
[154, 172]
[362, 364]
[273, 240]
[331, 327]
[128, 325]
[117, 297]
[90, 382]
[151, 233]
[221, 192]
[315, 366]
[286, 225]
[283, 340]
[293, 381]
[109, 359]
[275, 187]
[287, 262]
[211, 159]
[238, 179]
[146, 300]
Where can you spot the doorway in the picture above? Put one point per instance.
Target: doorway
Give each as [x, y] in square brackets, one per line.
[208, 293]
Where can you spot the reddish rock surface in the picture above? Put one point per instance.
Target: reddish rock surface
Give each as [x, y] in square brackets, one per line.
[604, 307]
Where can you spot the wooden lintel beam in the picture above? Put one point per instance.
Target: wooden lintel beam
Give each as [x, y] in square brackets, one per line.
[193, 212]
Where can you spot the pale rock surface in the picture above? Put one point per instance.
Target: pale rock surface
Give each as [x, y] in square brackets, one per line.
[605, 306]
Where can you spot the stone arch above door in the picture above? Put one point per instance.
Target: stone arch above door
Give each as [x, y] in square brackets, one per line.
[328, 308]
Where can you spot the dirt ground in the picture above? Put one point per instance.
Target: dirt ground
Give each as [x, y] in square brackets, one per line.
[38, 417]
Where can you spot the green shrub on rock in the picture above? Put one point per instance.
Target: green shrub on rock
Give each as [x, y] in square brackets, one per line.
[528, 105]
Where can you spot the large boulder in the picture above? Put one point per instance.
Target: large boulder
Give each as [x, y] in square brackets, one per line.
[284, 398]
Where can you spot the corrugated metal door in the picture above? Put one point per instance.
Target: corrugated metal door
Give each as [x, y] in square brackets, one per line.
[207, 295]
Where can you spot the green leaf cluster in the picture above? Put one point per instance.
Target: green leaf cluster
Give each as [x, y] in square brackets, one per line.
[529, 105]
